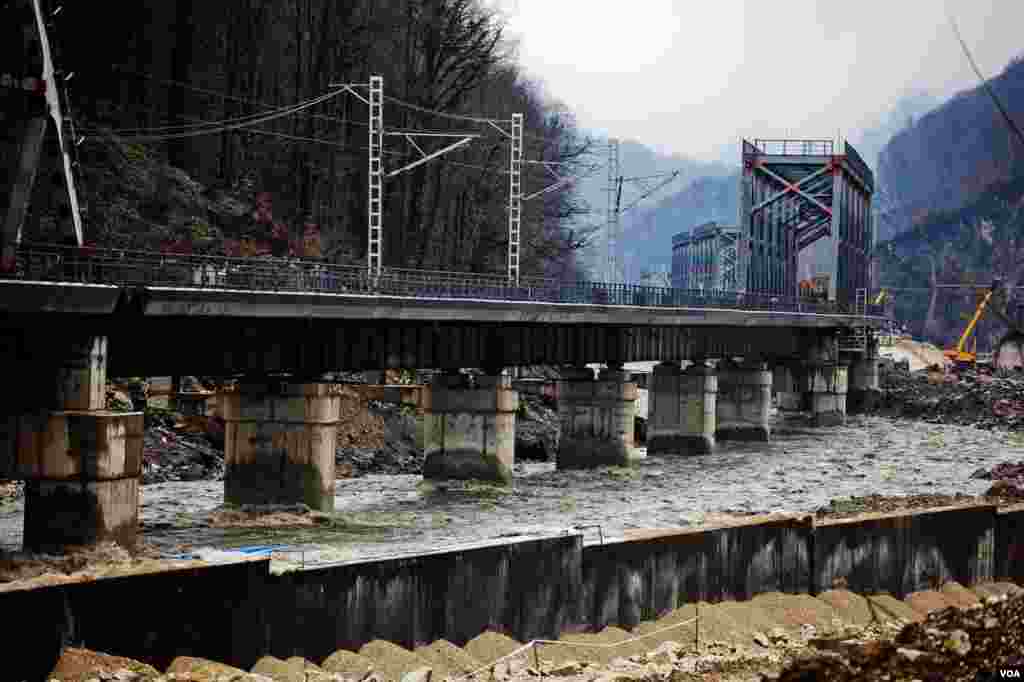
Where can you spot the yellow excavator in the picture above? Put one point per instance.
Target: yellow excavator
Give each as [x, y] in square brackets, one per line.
[959, 355]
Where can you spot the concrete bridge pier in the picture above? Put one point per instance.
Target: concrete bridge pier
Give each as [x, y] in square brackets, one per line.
[598, 418]
[81, 462]
[470, 428]
[827, 386]
[744, 401]
[787, 387]
[279, 443]
[682, 410]
[864, 391]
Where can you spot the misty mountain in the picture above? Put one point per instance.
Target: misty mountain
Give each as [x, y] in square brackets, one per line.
[636, 160]
[949, 156]
[647, 233]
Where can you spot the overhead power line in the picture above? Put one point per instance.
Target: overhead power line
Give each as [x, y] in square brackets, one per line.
[985, 83]
[234, 126]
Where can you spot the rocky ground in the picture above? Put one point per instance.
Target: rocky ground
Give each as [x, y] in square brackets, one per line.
[837, 635]
[977, 398]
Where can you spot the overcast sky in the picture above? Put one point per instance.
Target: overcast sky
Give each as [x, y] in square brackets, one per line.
[693, 76]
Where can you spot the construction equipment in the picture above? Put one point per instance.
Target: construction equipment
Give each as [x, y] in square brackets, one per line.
[815, 288]
[959, 355]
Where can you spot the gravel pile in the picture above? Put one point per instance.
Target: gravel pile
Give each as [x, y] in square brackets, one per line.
[951, 644]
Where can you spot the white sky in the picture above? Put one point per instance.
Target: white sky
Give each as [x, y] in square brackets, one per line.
[693, 76]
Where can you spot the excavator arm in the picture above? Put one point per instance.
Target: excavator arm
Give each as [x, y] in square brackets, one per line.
[974, 320]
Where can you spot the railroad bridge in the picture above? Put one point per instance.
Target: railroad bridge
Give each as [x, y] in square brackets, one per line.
[283, 328]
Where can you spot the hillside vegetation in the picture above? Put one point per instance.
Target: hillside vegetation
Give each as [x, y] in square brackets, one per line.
[154, 173]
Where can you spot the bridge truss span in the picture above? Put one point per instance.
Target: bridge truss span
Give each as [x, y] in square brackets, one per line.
[806, 197]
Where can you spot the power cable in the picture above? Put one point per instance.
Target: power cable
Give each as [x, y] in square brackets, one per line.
[235, 126]
[984, 82]
[234, 98]
[190, 130]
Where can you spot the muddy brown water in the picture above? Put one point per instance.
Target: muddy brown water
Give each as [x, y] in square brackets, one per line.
[801, 469]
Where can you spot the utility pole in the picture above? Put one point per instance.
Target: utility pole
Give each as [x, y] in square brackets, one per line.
[375, 200]
[613, 227]
[515, 197]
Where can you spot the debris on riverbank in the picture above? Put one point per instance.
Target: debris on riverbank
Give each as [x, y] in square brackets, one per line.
[1007, 480]
[840, 508]
[25, 569]
[967, 398]
[950, 644]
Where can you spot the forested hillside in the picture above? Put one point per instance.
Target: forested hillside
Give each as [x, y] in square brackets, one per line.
[951, 155]
[955, 193]
[153, 174]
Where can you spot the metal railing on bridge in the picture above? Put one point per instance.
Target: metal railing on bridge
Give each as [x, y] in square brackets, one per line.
[148, 269]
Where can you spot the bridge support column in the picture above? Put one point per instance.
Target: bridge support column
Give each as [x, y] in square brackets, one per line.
[81, 462]
[682, 410]
[864, 391]
[787, 387]
[827, 387]
[470, 428]
[279, 443]
[598, 419]
[744, 401]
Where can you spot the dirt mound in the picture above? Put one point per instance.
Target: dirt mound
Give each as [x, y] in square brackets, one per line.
[793, 611]
[202, 670]
[959, 596]
[490, 646]
[81, 665]
[278, 670]
[927, 601]
[586, 653]
[347, 663]
[446, 659]
[851, 608]
[391, 661]
[894, 608]
[996, 589]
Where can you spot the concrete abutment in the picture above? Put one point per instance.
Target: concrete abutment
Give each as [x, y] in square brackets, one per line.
[279, 443]
[469, 428]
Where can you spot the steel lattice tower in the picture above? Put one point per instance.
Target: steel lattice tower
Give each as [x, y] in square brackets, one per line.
[614, 224]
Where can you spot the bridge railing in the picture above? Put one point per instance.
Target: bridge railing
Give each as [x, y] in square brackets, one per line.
[147, 269]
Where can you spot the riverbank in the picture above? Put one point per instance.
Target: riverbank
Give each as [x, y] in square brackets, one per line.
[783, 636]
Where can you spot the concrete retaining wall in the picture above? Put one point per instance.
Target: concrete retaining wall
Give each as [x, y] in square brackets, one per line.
[1009, 544]
[628, 582]
[903, 553]
[152, 617]
[527, 589]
